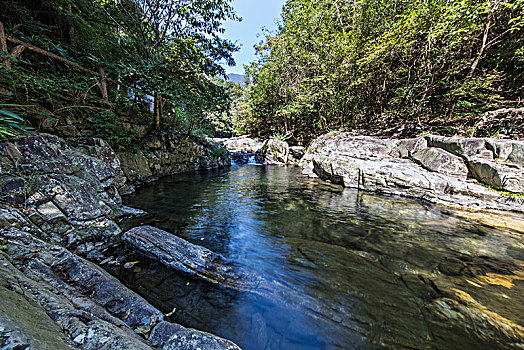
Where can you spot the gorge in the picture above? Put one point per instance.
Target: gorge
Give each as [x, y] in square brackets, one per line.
[261, 255]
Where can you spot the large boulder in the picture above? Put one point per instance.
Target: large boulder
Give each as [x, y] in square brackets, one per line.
[431, 168]
[461, 146]
[242, 144]
[497, 163]
[498, 175]
[71, 194]
[440, 161]
[274, 152]
[296, 153]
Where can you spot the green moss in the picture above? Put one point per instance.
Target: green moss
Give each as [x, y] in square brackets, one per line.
[502, 191]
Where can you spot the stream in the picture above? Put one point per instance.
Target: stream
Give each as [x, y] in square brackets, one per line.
[348, 270]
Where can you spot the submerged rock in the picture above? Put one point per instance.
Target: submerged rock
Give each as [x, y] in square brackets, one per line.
[177, 253]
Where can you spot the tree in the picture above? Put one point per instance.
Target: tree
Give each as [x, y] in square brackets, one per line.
[167, 49]
[336, 64]
[173, 39]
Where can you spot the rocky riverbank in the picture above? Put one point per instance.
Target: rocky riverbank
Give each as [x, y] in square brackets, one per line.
[58, 218]
[469, 173]
[466, 173]
[61, 204]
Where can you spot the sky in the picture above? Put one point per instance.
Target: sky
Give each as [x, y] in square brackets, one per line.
[255, 15]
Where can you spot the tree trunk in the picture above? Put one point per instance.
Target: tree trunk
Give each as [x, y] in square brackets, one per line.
[482, 48]
[3, 47]
[157, 111]
[103, 85]
[49, 54]
[71, 28]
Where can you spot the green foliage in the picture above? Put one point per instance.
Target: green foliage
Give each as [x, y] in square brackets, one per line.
[107, 125]
[11, 124]
[166, 49]
[219, 152]
[373, 63]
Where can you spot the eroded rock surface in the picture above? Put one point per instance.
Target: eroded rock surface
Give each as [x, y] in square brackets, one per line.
[274, 152]
[170, 336]
[62, 204]
[74, 302]
[445, 170]
[171, 153]
[242, 144]
[177, 253]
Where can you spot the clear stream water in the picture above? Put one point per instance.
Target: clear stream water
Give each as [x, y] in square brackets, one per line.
[348, 270]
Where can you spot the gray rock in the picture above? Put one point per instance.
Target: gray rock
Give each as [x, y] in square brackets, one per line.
[177, 253]
[171, 336]
[274, 152]
[87, 324]
[508, 151]
[50, 212]
[131, 211]
[297, 152]
[135, 167]
[75, 197]
[23, 323]
[13, 189]
[62, 300]
[460, 146]
[440, 161]
[170, 153]
[517, 153]
[497, 175]
[58, 266]
[383, 165]
[407, 147]
[242, 144]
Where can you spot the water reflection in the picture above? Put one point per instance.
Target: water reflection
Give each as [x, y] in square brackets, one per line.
[339, 269]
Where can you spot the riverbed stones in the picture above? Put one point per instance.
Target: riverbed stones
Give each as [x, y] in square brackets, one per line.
[444, 170]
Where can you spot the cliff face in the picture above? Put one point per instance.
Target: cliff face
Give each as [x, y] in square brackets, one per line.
[57, 222]
[171, 153]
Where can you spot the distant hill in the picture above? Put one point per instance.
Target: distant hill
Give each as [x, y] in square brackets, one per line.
[237, 78]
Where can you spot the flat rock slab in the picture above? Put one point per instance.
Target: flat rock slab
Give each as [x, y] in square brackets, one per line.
[177, 253]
